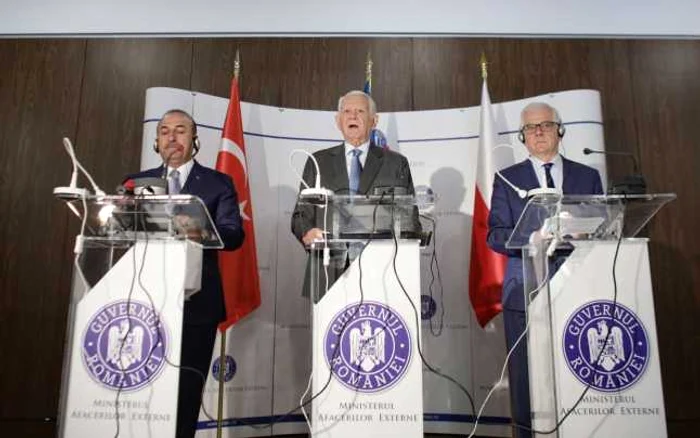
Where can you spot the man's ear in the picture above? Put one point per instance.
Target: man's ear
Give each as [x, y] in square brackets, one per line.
[375, 119]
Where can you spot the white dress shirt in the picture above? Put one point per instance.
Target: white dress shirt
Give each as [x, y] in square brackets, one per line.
[557, 171]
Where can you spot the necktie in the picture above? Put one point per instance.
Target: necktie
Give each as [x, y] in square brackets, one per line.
[355, 171]
[174, 182]
[548, 174]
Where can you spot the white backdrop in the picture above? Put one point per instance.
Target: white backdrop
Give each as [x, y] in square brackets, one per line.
[272, 347]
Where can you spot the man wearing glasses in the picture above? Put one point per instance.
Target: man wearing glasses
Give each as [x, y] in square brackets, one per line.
[541, 131]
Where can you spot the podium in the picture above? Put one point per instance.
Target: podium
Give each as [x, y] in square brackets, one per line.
[592, 348]
[367, 371]
[138, 259]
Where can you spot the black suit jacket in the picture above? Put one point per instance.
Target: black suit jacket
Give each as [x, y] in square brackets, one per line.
[219, 195]
[383, 168]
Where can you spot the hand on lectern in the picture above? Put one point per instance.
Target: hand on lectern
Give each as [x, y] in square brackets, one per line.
[189, 227]
[311, 236]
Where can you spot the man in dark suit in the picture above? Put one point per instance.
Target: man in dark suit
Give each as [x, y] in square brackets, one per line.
[541, 131]
[354, 167]
[177, 143]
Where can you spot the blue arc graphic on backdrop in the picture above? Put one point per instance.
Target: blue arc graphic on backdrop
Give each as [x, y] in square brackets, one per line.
[368, 347]
[124, 345]
[614, 336]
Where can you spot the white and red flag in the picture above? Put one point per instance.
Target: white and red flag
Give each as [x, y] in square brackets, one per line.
[239, 269]
[487, 267]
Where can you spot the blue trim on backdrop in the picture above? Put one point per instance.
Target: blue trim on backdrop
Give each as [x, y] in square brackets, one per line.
[339, 140]
[427, 417]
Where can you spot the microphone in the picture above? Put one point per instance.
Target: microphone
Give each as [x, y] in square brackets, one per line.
[73, 191]
[316, 190]
[630, 184]
[523, 193]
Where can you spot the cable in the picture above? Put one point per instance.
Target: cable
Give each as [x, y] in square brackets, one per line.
[417, 316]
[436, 332]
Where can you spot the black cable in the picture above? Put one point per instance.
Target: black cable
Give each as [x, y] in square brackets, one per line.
[436, 332]
[418, 319]
[281, 417]
[595, 365]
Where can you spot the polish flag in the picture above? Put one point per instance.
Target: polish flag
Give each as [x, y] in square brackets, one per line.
[487, 267]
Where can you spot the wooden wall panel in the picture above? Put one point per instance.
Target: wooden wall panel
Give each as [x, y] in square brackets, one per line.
[117, 74]
[667, 111]
[306, 72]
[39, 83]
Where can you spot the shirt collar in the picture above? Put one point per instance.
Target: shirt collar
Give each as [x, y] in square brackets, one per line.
[557, 161]
[184, 170]
[364, 147]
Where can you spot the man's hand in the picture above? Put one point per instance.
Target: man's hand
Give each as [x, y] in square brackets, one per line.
[312, 235]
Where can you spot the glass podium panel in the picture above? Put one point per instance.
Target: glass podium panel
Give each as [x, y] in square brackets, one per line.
[549, 229]
[120, 220]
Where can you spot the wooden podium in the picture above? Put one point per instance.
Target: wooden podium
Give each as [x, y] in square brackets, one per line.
[367, 371]
[592, 345]
[123, 337]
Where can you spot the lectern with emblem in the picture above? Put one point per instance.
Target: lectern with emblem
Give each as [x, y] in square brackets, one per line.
[592, 345]
[138, 258]
[365, 284]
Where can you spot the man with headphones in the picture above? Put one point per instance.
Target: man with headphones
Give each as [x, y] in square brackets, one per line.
[541, 131]
[177, 144]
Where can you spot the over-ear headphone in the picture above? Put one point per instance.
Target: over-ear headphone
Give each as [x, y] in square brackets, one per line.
[195, 145]
[561, 130]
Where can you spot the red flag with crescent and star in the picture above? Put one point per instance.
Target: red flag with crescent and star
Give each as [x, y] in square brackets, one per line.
[239, 268]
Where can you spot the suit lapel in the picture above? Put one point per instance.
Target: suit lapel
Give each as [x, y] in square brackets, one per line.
[529, 176]
[339, 176]
[566, 181]
[375, 159]
[193, 178]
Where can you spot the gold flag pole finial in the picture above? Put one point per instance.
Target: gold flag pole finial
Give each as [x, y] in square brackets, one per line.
[484, 66]
[237, 65]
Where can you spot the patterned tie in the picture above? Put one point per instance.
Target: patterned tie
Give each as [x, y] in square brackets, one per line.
[174, 182]
[548, 174]
[355, 171]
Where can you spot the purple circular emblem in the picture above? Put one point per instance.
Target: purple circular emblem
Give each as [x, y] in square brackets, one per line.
[612, 365]
[229, 368]
[124, 345]
[374, 349]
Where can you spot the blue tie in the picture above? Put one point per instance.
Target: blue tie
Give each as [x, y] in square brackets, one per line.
[355, 171]
[548, 174]
[174, 182]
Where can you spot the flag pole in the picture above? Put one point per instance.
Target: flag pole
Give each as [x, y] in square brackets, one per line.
[483, 64]
[368, 73]
[222, 347]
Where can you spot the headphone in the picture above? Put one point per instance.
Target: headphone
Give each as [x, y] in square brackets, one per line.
[561, 130]
[195, 145]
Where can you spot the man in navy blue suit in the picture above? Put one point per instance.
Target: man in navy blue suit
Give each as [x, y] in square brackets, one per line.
[541, 130]
[177, 143]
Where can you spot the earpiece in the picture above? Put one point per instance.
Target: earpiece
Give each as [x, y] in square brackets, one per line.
[195, 145]
[560, 132]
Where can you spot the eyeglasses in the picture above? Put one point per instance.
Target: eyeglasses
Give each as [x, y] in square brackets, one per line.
[547, 126]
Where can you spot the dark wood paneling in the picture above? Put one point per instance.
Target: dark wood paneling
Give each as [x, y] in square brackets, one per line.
[307, 72]
[39, 85]
[667, 111]
[117, 74]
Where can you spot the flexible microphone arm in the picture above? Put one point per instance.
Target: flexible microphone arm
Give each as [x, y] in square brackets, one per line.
[316, 190]
[587, 151]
